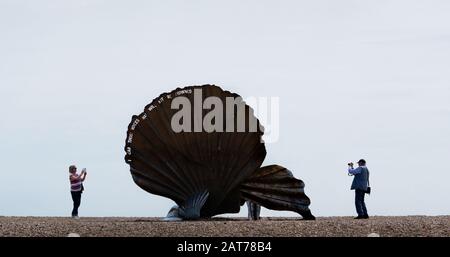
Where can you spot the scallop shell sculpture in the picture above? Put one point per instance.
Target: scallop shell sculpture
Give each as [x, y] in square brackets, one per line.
[206, 171]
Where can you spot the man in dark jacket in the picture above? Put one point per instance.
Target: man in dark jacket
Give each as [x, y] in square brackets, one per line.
[360, 185]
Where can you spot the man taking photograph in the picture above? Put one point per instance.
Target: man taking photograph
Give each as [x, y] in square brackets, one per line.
[361, 186]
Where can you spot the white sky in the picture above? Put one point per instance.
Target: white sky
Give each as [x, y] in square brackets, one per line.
[356, 79]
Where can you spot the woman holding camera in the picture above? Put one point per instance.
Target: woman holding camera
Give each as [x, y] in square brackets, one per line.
[76, 188]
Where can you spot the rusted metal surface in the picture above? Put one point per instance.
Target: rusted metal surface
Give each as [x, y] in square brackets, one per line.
[207, 173]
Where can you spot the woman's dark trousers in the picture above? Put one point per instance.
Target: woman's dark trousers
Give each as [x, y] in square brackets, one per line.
[76, 197]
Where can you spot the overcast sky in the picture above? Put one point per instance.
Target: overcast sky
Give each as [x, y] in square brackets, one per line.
[355, 79]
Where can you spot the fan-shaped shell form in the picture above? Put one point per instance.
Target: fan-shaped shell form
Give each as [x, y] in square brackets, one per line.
[194, 166]
[275, 188]
[201, 147]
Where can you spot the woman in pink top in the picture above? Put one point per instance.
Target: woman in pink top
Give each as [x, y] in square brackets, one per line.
[76, 188]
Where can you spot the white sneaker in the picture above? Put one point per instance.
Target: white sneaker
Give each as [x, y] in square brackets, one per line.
[75, 217]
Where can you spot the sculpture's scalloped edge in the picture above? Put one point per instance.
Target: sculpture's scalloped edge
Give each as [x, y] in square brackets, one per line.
[154, 101]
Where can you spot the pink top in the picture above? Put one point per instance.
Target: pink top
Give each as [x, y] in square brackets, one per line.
[75, 183]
